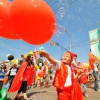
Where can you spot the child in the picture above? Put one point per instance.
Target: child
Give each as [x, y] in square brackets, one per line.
[38, 78]
[83, 81]
[64, 77]
[1, 79]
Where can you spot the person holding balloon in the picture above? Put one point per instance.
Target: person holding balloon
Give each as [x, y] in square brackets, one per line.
[23, 78]
[64, 77]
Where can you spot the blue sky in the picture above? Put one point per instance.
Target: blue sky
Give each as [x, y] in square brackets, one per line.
[78, 17]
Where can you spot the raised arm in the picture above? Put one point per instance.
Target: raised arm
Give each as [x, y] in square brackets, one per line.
[47, 55]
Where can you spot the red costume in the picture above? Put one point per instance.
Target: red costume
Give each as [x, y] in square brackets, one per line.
[69, 92]
[26, 72]
[92, 59]
[84, 77]
[43, 72]
[76, 92]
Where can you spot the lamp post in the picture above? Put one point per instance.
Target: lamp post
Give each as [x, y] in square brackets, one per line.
[70, 37]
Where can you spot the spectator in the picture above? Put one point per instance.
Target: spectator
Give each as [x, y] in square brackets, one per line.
[83, 80]
[12, 73]
[46, 76]
[5, 67]
[96, 76]
[1, 78]
[99, 70]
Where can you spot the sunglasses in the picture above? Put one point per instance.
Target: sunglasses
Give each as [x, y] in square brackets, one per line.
[31, 56]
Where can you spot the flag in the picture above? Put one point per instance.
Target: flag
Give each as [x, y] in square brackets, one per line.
[35, 58]
[56, 43]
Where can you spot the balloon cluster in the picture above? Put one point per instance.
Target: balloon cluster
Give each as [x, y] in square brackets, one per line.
[29, 20]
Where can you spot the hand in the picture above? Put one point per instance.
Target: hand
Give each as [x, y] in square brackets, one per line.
[42, 53]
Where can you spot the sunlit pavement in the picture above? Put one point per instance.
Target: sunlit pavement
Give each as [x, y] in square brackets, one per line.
[44, 93]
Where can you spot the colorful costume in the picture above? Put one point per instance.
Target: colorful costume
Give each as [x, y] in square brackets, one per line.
[67, 87]
[26, 72]
[92, 59]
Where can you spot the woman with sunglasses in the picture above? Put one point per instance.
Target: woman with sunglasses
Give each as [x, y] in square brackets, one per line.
[23, 78]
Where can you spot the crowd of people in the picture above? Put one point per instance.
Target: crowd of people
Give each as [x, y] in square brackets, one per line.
[27, 73]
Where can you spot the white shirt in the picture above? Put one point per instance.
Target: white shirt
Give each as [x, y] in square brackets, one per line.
[95, 67]
[13, 71]
[68, 79]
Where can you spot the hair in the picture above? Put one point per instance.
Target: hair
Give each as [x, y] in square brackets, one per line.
[75, 55]
[29, 61]
[14, 65]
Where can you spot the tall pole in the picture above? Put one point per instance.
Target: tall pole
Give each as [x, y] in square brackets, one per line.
[70, 42]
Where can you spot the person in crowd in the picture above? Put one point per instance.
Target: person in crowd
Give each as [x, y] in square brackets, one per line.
[38, 78]
[23, 78]
[96, 76]
[99, 73]
[99, 69]
[5, 67]
[12, 73]
[83, 80]
[64, 80]
[91, 77]
[75, 66]
[46, 76]
[1, 79]
[77, 70]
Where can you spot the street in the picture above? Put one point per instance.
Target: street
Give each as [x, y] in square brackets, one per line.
[38, 93]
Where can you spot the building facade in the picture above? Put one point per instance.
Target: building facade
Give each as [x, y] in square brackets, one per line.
[95, 42]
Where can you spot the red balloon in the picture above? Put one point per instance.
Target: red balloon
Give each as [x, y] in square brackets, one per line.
[32, 23]
[6, 29]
